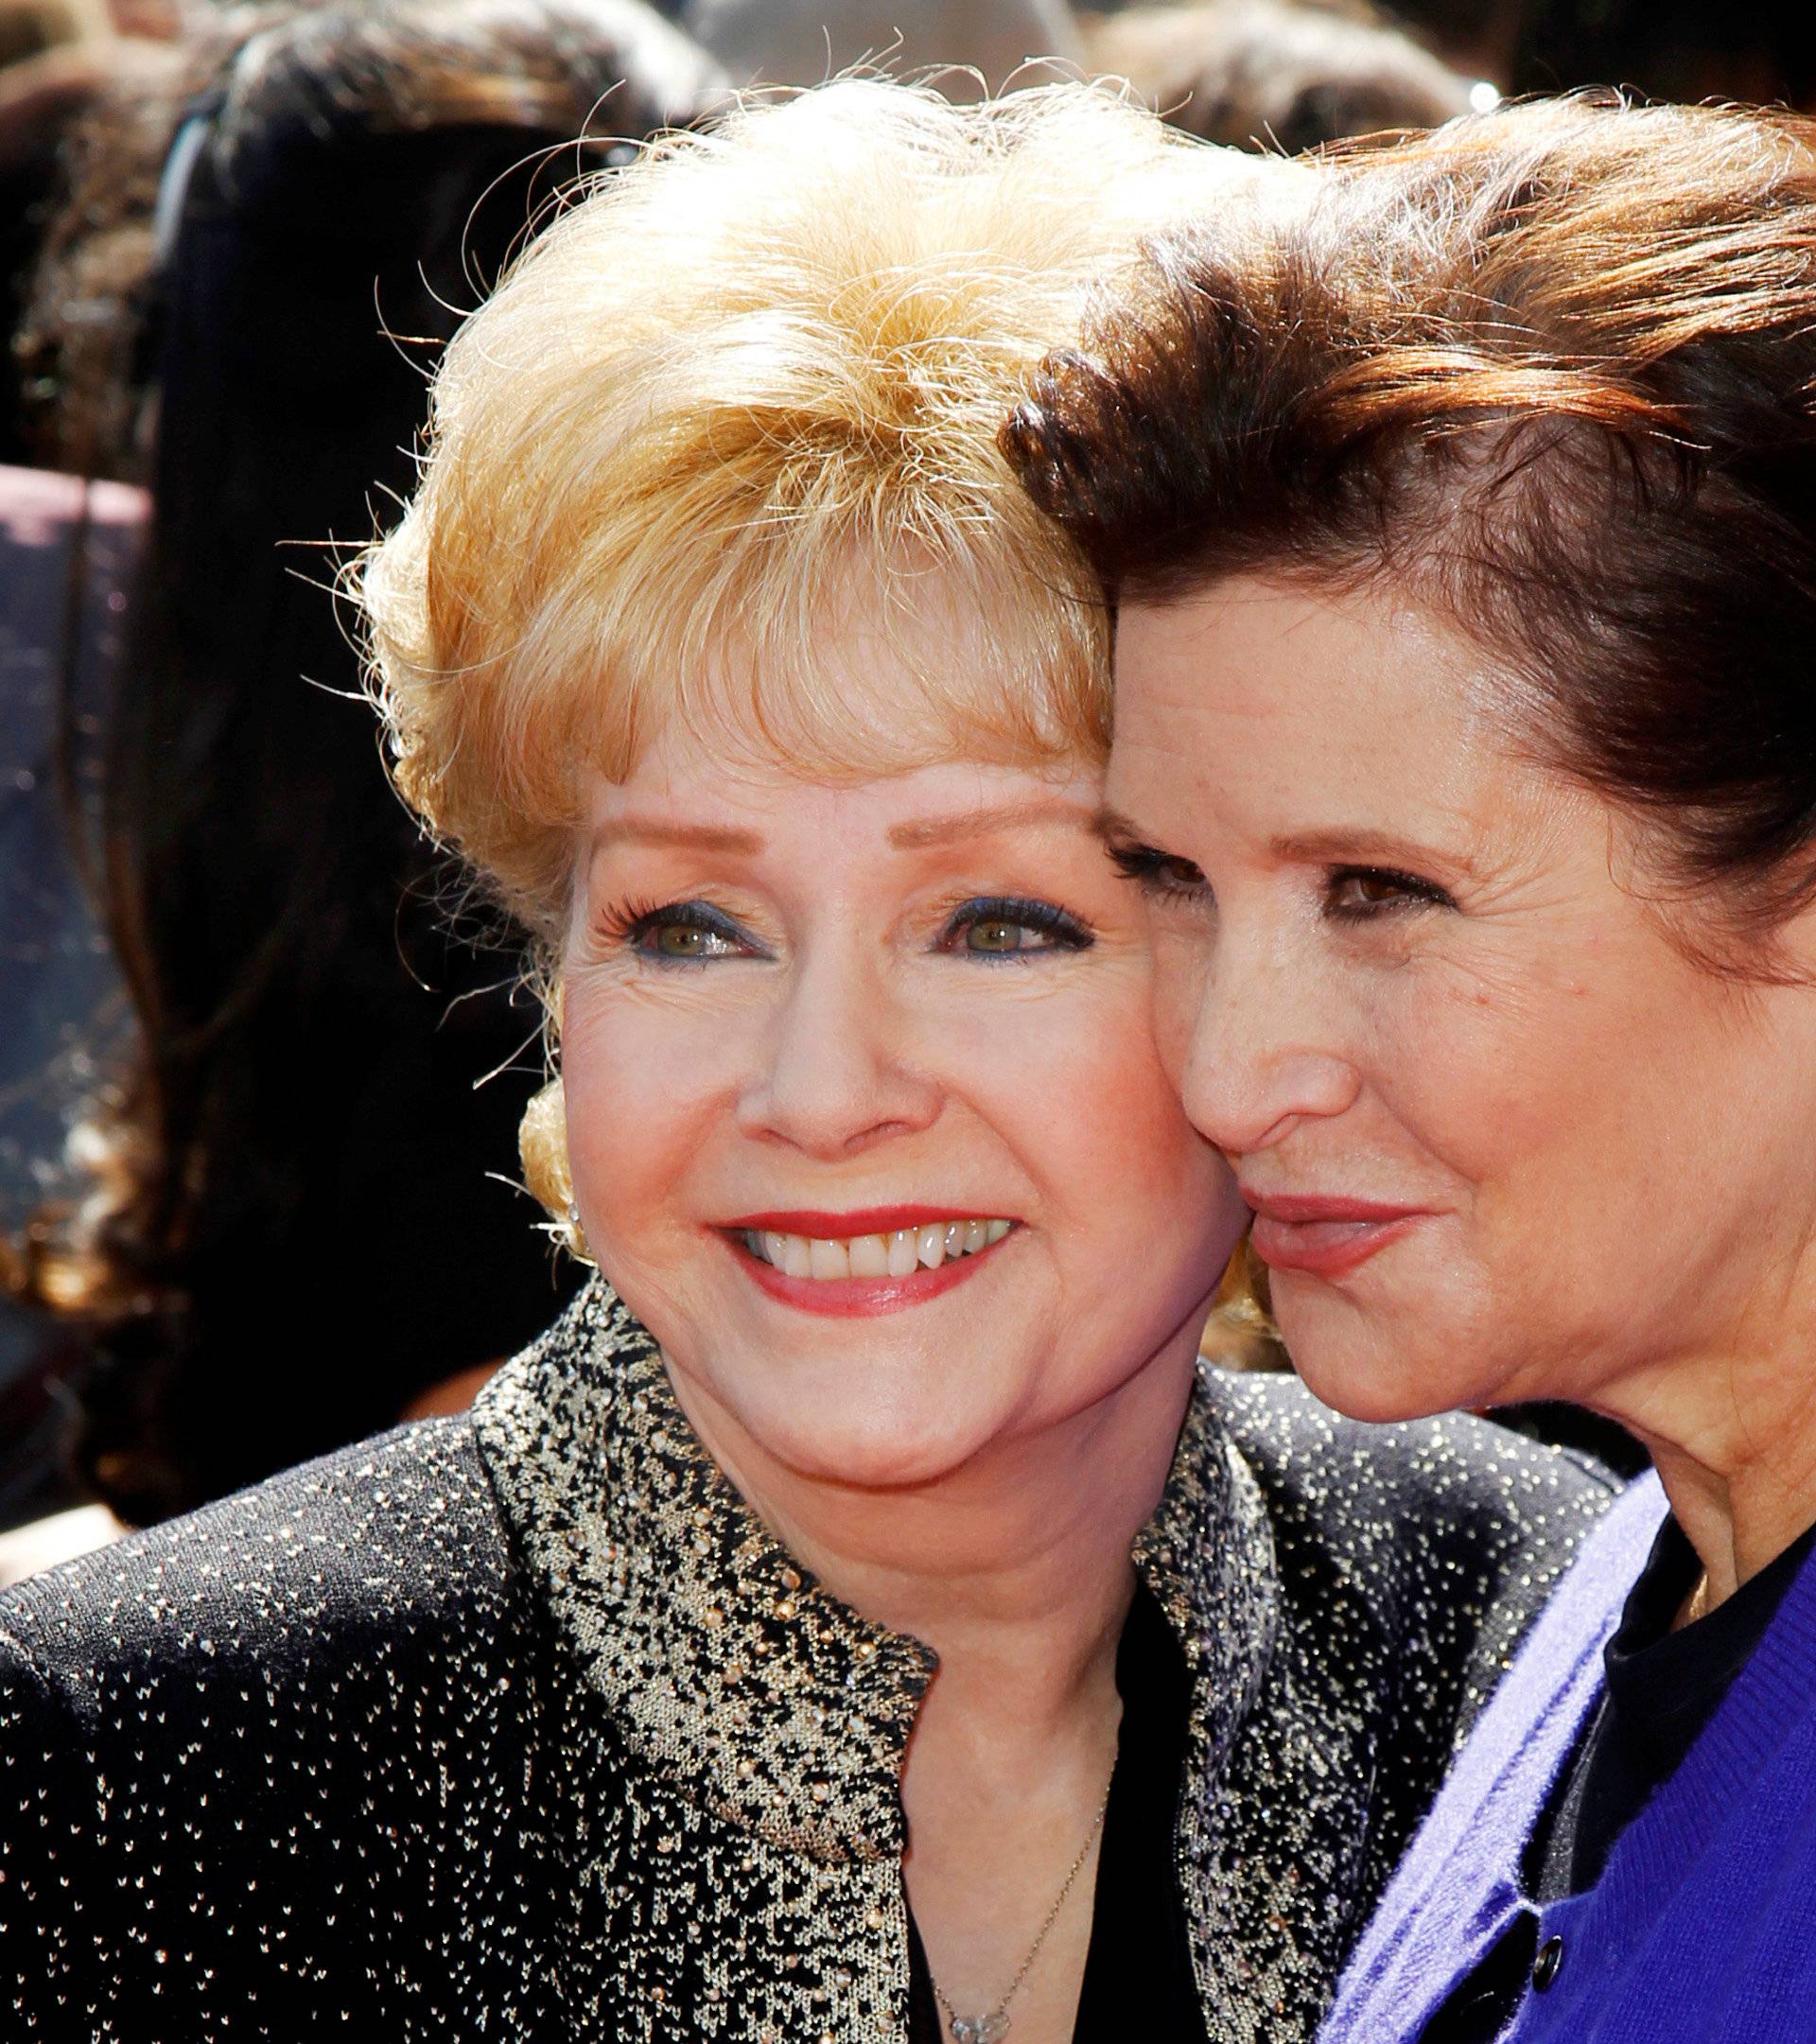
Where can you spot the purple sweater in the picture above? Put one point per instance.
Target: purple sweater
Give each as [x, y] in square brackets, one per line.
[1702, 1926]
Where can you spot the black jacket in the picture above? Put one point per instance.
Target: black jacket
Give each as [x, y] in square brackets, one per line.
[522, 1727]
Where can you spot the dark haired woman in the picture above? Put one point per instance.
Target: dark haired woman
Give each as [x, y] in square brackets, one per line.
[307, 1036]
[1462, 521]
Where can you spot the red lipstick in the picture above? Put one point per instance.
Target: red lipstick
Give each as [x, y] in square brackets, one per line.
[1323, 1234]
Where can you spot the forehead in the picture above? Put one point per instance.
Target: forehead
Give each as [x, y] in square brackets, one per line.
[683, 794]
[1274, 706]
[889, 661]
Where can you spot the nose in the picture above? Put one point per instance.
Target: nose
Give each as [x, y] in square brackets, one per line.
[836, 1072]
[1261, 1059]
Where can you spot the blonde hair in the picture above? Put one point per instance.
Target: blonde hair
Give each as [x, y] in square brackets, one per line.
[744, 391]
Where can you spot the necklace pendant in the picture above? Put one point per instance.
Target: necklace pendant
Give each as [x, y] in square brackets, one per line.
[979, 2029]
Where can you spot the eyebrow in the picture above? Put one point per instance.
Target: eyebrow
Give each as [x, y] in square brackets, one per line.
[926, 830]
[1363, 845]
[1113, 825]
[1366, 847]
[681, 836]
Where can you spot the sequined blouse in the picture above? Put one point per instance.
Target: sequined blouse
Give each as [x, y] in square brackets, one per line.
[521, 1726]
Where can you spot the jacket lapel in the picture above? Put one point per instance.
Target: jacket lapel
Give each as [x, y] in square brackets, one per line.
[1273, 1808]
[726, 1738]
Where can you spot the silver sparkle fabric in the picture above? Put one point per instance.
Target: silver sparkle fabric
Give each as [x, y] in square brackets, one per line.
[521, 1726]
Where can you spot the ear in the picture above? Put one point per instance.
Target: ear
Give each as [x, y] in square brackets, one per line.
[542, 1146]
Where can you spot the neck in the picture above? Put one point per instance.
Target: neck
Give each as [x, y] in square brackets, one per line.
[1013, 1567]
[1733, 1436]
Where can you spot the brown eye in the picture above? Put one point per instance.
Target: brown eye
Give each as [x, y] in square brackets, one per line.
[1162, 875]
[1368, 889]
[1361, 892]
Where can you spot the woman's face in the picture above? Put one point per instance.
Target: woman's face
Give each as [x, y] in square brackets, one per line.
[866, 1117]
[1505, 1141]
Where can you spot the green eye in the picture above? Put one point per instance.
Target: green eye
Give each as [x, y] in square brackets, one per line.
[1007, 926]
[682, 940]
[688, 932]
[998, 936]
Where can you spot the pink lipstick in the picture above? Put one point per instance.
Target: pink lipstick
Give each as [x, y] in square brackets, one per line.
[1323, 1235]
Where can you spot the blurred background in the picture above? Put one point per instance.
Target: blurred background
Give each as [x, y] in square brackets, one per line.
[260, 1068]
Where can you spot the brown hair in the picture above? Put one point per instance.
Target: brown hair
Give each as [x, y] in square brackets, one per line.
[1549, 369]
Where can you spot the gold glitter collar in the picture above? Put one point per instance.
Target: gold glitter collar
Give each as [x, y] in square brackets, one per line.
[723, 1661]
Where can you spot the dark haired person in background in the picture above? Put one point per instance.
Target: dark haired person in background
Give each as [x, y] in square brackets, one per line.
[297, 1142]
[1461, 518]
[805, 42]
[66, 549]
[1276, 74]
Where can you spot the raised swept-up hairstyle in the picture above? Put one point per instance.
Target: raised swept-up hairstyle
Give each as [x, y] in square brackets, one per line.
[1550, 371]
[742, 398]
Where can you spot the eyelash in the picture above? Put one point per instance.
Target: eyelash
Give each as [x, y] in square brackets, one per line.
[632, 922]
[1158, 874]
[628, 924]
[1410, 893]
[1164, 877]
[1067, 932]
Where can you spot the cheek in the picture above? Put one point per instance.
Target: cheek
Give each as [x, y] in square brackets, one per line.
[1551, 1101]
[1093, 1102]
[1181, 961]
[1457, 1074]
[640, 1078]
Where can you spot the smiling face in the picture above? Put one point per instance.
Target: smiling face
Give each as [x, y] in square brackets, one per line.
[1506, 1139]
[866, 1118]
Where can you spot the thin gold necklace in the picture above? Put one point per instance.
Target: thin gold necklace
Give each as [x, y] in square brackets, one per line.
[987, 2028]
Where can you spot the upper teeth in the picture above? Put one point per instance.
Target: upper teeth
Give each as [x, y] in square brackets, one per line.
[894, 1255]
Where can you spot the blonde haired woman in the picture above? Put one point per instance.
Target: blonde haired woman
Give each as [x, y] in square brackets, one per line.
[888, 1632]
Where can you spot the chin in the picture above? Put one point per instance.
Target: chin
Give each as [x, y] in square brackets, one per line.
[1360, 1392]
[1369, 1365]
[842, 1416]
[868, 1447]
